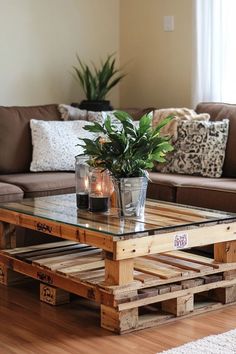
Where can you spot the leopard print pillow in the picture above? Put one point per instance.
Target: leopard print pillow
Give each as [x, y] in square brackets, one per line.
[200, 148]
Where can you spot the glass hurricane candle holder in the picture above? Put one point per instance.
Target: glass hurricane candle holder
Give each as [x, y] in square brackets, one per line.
[99, 190]
[82, 182]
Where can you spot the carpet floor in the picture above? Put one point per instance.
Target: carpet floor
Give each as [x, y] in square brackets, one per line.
[224, 343]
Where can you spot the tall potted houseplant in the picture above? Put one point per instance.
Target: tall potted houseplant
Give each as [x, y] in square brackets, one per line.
[128, 150]
[97, 83]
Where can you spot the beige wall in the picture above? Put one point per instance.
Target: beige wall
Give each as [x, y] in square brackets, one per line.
[39, 39]
[159, 63]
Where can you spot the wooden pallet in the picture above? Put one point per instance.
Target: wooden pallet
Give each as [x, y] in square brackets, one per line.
[165, 286]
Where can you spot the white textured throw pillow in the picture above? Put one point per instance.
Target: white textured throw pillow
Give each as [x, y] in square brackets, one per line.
[54, 144]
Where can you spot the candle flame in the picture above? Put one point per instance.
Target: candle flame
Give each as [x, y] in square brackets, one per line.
[86, 183]
[99, 188]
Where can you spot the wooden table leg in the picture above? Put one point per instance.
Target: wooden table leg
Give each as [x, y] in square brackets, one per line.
[7, 235]
[118, 272]
[8, 240]
[225, 252]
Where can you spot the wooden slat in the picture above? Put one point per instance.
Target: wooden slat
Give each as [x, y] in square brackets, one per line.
[57, 254]
[181, 271]
[82, 267]
[76, 261]
[52, 250]
[174, 215]
[193, 258]
[146, 278]
[20, 250]
[152, 268]
[184, 264]
[91, 276]
[53, 261]
[187, 210]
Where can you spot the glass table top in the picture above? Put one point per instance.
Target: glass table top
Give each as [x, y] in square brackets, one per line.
[159, 216]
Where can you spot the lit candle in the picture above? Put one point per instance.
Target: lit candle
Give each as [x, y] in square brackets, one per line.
[98, 196]
[98, 203]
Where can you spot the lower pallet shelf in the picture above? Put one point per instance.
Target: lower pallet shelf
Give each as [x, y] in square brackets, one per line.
[165, 287]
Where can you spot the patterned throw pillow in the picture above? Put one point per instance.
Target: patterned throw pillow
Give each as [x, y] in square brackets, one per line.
[179, 114]
[171, 129]
[200, 148]
[99, 117]
[72, 113]
[54, 144]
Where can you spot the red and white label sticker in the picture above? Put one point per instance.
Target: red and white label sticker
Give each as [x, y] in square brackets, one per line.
[181, 240]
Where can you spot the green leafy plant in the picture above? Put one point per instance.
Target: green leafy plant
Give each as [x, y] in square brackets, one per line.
[125, 149]
[96, 83]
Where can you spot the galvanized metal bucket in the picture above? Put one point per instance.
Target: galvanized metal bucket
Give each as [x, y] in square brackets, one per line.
[131, 195]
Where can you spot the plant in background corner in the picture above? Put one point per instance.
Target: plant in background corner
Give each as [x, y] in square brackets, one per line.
[97, 82]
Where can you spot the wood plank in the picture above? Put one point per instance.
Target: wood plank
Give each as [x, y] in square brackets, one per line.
[171, 295]
[118, 322]
[179, 306]
[55, 254]
[56, 228]
[82, 267]
[225, 252]
[181, 271]
[86, 275]
[224, 295]
[41, 246]
[53, 296]
[185, 209]
[174, 215]
[54, 261]
[51, 250]
[7, 235]
[191, 283]
[187, 256]
[159, 243]
[179, 262]
[146, 278]
[75, 261]
[152, 268]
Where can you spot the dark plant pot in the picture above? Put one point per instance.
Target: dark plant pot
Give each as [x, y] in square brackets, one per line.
[95, 106]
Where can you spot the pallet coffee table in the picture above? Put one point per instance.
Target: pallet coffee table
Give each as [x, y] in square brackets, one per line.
[134, 268]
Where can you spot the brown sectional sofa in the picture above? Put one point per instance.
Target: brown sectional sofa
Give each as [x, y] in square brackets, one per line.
[16, 181]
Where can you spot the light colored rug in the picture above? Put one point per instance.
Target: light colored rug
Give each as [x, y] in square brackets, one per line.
[224, 343]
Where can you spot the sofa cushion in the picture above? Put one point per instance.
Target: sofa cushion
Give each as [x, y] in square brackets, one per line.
[15, 137]
[10, 193]
[42, 184]
[162, 186]
[219, 194]
[219, 111]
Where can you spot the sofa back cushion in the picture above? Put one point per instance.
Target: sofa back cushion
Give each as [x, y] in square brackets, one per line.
[15, 135]
[220, 111]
